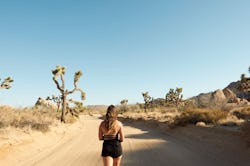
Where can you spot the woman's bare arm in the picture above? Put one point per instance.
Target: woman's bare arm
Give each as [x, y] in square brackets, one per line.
[100, 133]
[121, 133]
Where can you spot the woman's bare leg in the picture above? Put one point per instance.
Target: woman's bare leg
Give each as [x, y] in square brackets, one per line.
[107, 161]
[117, 161]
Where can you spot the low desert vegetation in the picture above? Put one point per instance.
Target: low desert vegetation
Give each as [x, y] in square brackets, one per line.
[242, 113]
[34, 118]
[161, 114]
[174, 117]
[200, 115]
[123, 107]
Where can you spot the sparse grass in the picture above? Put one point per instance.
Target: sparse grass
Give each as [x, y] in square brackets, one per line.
[199, 115]
[161, 114]
[37, 119]
[123, 108]
[160, 109]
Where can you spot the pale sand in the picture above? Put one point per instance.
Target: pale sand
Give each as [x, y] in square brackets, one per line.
[77, 145]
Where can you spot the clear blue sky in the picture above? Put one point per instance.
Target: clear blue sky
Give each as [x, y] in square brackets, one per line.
[123, 47]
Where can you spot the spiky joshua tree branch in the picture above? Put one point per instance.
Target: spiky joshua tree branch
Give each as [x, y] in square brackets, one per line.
[174, 97]
[6, 83]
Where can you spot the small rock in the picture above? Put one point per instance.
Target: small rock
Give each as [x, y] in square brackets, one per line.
[201, 124]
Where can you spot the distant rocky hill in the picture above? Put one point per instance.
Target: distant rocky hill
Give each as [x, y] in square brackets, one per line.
[234, 87]
[229, 96]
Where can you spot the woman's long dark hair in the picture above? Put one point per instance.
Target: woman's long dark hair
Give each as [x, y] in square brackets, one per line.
[111, 117]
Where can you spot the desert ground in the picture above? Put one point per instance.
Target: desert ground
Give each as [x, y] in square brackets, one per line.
[77, 145]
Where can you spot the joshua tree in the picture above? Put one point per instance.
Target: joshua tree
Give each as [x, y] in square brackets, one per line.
[56, 99]
[60, 72]
[174, 97]
[123, 107]
[124, 102]
[146, 99]
[6, 83]
[245, 82]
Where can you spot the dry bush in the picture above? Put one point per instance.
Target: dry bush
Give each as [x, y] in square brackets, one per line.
[160, 109]
[122, 109]
[160, 114]
[245, 129]
[243, 113]
[199, 115]
[135, 108]
[37, 119]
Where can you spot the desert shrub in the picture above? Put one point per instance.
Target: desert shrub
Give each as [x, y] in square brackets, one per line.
[123, 109]
[136, 108]
[186, 105]
[199, 115]
[37, 119]
[242, 113]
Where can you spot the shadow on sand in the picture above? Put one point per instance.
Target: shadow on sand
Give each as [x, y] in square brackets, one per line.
[154, 146]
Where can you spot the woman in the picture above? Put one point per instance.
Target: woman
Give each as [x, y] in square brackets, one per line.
[111, 131]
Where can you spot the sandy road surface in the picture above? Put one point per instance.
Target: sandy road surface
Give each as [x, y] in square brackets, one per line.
[141, 148]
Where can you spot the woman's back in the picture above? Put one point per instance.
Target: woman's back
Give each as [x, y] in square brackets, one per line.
[113, 131]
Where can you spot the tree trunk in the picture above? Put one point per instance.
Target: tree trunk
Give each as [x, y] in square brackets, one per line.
[64, 107]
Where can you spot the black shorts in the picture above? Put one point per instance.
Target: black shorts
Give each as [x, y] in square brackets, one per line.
[111, 148]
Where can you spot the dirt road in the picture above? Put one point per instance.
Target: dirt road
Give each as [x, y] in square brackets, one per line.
[142, 147]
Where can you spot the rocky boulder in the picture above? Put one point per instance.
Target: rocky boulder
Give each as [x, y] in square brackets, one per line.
[230, 95]
[218, 99]
[201, 124]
